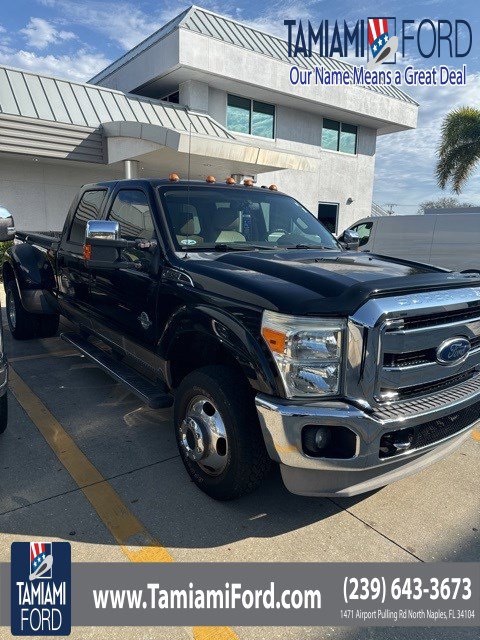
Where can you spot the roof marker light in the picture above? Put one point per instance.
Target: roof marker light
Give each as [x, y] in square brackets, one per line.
[173, 177]
[273, 187]
[210, 179]
[230, 181]
[248, 182]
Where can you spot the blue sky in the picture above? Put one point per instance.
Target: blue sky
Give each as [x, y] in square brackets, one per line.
[78, 38]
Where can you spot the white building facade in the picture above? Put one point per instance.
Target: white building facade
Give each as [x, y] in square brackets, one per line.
[204, 87]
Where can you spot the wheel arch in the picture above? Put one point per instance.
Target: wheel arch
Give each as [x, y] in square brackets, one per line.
[203, 336]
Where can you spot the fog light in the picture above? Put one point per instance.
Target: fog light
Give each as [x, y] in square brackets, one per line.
[316, 439]
[329, 442]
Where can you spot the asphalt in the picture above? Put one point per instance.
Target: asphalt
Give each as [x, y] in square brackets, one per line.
[431, 516]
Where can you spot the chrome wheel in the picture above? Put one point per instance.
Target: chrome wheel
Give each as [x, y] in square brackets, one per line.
[12, 311]
[203, 436]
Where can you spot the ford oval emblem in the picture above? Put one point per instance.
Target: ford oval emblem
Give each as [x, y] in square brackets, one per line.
[453, 350]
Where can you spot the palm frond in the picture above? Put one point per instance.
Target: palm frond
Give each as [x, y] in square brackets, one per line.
[459, 149]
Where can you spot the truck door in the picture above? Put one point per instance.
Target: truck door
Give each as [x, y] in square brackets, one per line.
[73, 279]
[124, 300]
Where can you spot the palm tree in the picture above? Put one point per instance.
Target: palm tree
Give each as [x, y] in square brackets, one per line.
[459, 150]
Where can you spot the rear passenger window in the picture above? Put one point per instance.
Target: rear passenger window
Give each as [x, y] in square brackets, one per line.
[88, 209]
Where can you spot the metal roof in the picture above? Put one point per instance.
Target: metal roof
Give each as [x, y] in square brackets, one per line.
[232, 32]
[31, 95]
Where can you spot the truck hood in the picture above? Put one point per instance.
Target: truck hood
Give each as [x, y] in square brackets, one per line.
[311, 281]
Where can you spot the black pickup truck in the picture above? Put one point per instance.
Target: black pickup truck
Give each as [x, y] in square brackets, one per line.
[272, 341]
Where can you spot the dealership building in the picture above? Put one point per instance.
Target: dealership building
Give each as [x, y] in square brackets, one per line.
[204, 91]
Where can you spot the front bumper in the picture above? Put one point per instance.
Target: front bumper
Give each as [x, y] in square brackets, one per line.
[282, 425]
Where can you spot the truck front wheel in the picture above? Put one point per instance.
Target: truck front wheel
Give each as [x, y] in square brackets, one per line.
[218, 434]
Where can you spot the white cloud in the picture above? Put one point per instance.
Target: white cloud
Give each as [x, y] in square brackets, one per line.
[405, 162]
[122, 22]
[79, 67]
[39, 33]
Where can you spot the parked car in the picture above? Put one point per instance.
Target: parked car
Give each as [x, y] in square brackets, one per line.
[271, 340]
[447, 240]
[6, 232]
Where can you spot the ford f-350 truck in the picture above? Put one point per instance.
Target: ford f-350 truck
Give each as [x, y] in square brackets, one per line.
[272, 341]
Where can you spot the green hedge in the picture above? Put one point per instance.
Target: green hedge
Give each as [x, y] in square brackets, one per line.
[3, 247]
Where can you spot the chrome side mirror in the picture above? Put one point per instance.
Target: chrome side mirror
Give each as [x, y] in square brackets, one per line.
[351, 240]
[7, 225]
[104, 229]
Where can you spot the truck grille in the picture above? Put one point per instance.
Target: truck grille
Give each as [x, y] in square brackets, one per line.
[428, 433]
[437, 319]
[393, 346]
[415, 358]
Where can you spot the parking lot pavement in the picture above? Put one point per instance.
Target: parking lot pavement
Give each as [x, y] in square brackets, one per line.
[431, 516]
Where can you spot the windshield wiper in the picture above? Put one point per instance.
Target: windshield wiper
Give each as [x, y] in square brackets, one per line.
[233, 246]
[311, 246]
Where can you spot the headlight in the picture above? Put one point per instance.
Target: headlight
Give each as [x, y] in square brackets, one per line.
[308, 352]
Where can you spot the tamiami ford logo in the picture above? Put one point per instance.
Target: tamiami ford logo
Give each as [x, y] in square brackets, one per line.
[380, 42]
[40, 588]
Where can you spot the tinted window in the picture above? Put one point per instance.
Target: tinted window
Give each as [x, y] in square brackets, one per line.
[250, 116]
[203, 217]
[339, 136]
[88, 209]
[348, 138]
[263, 118]
[132, 211]
[364, 230]
[238, 114]
[330, 134]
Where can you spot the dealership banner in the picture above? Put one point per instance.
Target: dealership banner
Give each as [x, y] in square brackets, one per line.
[241, 594]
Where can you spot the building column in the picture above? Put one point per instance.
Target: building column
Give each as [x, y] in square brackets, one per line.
[131, 169]
[194, 95]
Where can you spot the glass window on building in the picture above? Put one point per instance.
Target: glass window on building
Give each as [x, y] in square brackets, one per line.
[172, 97]
[339, 136]
[250, 117]
[263, 119]
[238, 114]
[330, 134]
[348, 138]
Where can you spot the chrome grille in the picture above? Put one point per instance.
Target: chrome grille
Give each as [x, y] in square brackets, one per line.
[393, 343]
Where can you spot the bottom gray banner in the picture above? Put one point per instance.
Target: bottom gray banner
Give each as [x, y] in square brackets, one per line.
[263, 594]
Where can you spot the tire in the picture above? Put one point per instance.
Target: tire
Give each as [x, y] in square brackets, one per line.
[3, 412]
[240, 460]
[24, 325]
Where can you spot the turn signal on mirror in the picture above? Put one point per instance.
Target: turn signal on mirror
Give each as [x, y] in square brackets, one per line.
[87, 251]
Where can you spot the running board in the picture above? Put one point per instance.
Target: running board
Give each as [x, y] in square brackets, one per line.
[153, 395]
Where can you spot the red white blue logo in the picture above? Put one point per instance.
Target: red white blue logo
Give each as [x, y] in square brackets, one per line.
[383, 45]
[41, 560]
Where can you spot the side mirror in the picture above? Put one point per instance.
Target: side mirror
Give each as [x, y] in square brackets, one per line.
[102, 246]
[351, 240]
[7, 226]
[105, 229]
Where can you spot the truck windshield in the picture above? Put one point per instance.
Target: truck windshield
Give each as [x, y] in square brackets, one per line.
[206, 217]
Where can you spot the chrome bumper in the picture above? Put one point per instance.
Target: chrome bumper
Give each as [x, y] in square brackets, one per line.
[282, 425]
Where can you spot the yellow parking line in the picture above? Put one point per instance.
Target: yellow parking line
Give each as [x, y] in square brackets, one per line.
[476, 435]
[121, 522]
